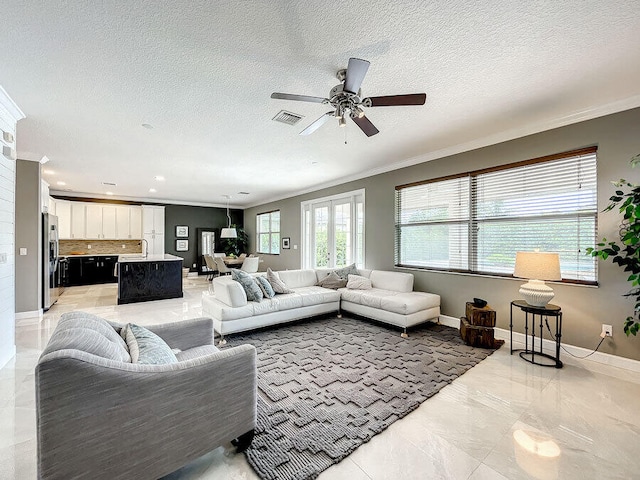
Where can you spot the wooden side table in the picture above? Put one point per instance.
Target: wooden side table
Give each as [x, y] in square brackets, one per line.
[543, 313]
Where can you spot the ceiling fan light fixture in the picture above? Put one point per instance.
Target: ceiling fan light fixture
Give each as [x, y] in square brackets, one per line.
[358, 112]
[342, 122]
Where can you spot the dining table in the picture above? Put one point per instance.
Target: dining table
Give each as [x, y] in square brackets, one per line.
[233, 261]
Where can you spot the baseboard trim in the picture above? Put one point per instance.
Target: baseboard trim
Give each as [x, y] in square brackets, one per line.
[31, 314]
[7, 355]
[549, 345]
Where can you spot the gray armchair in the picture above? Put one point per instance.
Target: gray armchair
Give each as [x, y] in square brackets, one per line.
[100, 416]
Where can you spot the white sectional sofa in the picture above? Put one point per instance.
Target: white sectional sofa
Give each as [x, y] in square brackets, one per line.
[391, 299]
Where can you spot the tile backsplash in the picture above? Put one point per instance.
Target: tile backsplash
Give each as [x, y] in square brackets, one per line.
[100, 246]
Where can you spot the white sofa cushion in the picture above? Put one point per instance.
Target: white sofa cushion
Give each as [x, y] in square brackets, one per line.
[229, 291]
[398, 281]
[404, 303]
[298, 278]
[317, 295]
[358, 282]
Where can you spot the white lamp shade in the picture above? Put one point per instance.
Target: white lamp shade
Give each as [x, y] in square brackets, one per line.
[538, 266]
[228, 233]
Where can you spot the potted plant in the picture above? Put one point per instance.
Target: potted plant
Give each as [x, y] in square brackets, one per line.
[235, 246]
[626, 251]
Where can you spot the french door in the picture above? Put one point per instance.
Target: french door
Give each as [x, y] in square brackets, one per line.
[333, 231]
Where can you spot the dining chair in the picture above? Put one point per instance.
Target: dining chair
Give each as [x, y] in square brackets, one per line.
[222, 267]
[212, 268]
[242, 256]
[250, 264]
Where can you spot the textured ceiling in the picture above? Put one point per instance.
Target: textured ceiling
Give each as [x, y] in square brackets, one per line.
[89, 74]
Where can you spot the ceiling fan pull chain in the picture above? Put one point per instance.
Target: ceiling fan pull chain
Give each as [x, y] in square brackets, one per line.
[345, 135]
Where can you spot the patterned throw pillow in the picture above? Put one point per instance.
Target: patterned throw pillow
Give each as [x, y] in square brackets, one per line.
[333, 281]
[265, 286]
[278, 285]
[146, 347]
[346, 271]
[254, 294]
[356, 282]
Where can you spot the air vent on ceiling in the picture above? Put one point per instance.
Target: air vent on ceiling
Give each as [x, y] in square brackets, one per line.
[287, 117]
[110, 184]
[243, 193]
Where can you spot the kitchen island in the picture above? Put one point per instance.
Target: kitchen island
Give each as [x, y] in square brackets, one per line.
[154, 277]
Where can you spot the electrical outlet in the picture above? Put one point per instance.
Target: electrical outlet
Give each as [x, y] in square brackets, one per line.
[89, 247]
[194, 265]
[124, 246]
[607, 330]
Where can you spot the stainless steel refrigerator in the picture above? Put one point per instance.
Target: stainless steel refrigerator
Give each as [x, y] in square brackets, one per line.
[53, 273]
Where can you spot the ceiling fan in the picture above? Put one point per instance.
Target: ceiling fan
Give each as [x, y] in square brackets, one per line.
[346, 99]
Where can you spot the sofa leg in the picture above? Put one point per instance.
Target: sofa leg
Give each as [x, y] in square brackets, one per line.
[339, 315]
[223, 341]
[243, 441]
[404, 333]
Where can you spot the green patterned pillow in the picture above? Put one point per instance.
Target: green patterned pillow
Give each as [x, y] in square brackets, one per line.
[254, 294]
[146, 347]
[265, 286]
[346, 271]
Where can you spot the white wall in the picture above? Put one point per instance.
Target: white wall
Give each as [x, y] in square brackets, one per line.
[9, 115]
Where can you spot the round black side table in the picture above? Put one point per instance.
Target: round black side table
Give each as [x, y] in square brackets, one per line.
[543, 313]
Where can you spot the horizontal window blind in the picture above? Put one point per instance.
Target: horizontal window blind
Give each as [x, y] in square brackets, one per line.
[477, 222]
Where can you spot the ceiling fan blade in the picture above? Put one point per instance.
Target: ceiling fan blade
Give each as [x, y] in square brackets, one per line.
[366, 126]
[395, 100]
[317, 124]
[356, 70]
[299, 98]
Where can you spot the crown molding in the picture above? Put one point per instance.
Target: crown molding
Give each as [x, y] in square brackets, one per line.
[563, 121]
[140, 200]
[9, 107]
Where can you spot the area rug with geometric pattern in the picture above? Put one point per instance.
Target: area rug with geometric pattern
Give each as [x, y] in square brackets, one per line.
[328, 385]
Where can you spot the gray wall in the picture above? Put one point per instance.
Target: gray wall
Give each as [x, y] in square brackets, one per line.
[28, 233]
[585, 308]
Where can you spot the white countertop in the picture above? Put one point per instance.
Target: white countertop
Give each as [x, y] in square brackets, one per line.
[132, 257]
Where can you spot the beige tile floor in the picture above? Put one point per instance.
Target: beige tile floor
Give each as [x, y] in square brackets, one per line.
[503, 419]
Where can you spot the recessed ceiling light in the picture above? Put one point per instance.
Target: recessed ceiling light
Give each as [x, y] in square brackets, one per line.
[152, 190]
[159, 178]
[148, 126]
[48, 172]
[61, 183]
[44, 160]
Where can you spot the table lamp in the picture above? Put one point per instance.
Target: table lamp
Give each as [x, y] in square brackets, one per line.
[537, 267]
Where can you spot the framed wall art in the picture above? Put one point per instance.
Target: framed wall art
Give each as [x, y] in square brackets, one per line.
[182, 245]
[286, 243]
[182, 231]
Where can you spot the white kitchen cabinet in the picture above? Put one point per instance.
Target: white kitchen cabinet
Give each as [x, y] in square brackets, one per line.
[109, 222]
[155, 243]
[128, 222]
[152, 220]
[78, 220]
[135, 222]
[52, 206]
[93, 226]
[63, 212]
[44, 197]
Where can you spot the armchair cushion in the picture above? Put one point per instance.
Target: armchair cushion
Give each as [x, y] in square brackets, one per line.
[146, 347]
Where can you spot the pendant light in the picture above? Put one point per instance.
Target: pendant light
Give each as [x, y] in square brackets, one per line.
[228, 232]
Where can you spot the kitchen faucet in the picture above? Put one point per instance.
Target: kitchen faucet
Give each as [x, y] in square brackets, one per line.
[145, 249]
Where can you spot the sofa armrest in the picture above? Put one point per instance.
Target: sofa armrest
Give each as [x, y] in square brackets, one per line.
[228, 291]
[184, 334]
[90, 411]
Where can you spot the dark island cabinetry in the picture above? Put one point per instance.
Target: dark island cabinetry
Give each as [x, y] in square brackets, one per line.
[142, 280]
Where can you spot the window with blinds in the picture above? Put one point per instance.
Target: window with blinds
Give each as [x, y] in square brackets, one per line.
[268, 232]
[476, 222]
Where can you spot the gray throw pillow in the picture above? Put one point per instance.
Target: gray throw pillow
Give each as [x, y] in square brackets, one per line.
[346, 271]
[146, 347]
[265, 286]
[251, 288]
[333, 281]
[278, 285]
